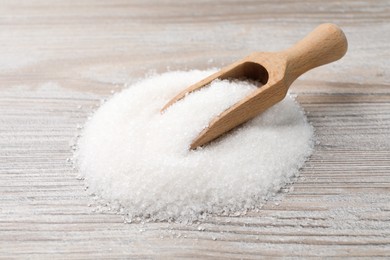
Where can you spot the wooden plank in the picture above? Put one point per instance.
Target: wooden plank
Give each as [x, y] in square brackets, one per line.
[59, 59]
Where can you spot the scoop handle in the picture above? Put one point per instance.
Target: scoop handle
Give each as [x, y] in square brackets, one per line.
[325, 44]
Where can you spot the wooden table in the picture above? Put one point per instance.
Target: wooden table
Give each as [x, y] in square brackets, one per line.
[58, 59]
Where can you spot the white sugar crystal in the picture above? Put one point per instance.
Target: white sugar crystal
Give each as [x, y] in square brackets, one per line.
[132, 154]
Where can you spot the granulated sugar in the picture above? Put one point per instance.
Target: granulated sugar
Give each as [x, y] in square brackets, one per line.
[131, 154]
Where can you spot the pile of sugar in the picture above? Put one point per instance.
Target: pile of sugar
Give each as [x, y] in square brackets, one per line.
[131, 154]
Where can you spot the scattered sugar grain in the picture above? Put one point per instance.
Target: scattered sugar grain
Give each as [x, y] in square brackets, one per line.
[131, 154]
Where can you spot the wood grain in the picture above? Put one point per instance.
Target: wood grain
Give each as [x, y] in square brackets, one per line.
[59, 59]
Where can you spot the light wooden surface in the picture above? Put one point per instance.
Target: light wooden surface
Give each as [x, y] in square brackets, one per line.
[59, 58]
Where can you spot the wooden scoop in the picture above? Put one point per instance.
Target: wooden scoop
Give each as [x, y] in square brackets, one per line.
[275, 71]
